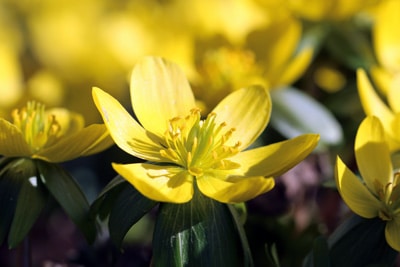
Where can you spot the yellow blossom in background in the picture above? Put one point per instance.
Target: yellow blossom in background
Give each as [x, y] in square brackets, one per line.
[373, 104]
[316, 10]
[53, 135]
[277, 51]
[73, 45]
[188, 152]
[386, 41]
[377, 194]
[11, 77]
[270, 57]
[215, 17]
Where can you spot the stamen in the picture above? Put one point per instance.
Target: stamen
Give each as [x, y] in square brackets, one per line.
[38, 129]
[191, 142]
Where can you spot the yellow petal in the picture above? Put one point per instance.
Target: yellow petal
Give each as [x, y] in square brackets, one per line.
[275, 159]
[160, 91]
[394, 140]
[382, 78]
[355, 193]
[296, 67]
[70, 122]
[371, 102]
[247, 111]
[234, 190]
[12, 141]
[159, 183]
[88, 141]
[394, 93]
[124, 130]
[372, 153]
[392, 234]
[310, 9]
[386, 35]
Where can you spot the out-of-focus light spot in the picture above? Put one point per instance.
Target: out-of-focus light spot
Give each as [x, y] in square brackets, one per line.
[46, 88]
[329, 79]
[33, 181]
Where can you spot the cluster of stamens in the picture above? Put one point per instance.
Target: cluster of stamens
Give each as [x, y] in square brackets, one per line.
[38, 128]
[390, 197]
[197, 144]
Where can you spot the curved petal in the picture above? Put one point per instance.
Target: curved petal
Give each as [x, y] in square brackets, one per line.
[394, 140]
[275, 159]
[159, 183]
[88, 141]
[247, 111]
[372, 154]
[295, 67]
[371, 102]
[382, 78]
[356, 195]
[235, 190]
[392, 234]
[12, 141]
[160, 91]
[124, 130]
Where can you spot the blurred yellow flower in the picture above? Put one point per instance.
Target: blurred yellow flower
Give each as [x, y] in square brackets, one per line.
[377, 194]
[189, 152]
[53, 135]
[316, 10]
[270, 57]
[373, 104]
[386, 40]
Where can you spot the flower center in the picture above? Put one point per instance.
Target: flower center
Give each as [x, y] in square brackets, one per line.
[198, 145]
[390, 196]
[38, 128]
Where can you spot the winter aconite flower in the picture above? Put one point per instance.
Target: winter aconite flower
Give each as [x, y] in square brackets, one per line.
[377, 194]
[53, 135]
[185, 151]
[31, 146]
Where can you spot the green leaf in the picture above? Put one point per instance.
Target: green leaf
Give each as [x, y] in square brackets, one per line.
[320, 254]
[68, 195]
[295, 113]
[359, 242]
[128, 208]
[10, 184]
[198, 233]
[105, 200]
[31, 200]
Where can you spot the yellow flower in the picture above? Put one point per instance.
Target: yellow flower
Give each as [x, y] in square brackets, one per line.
[186, 152]
[377, 194]
[53, 135]
[373, 104]
[317, 10]
[271, 57]
[386, 40]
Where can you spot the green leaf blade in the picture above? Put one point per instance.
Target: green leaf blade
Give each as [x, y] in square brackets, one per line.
[198, 233]
[31, 201]
[128, 208]
[69, 196]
